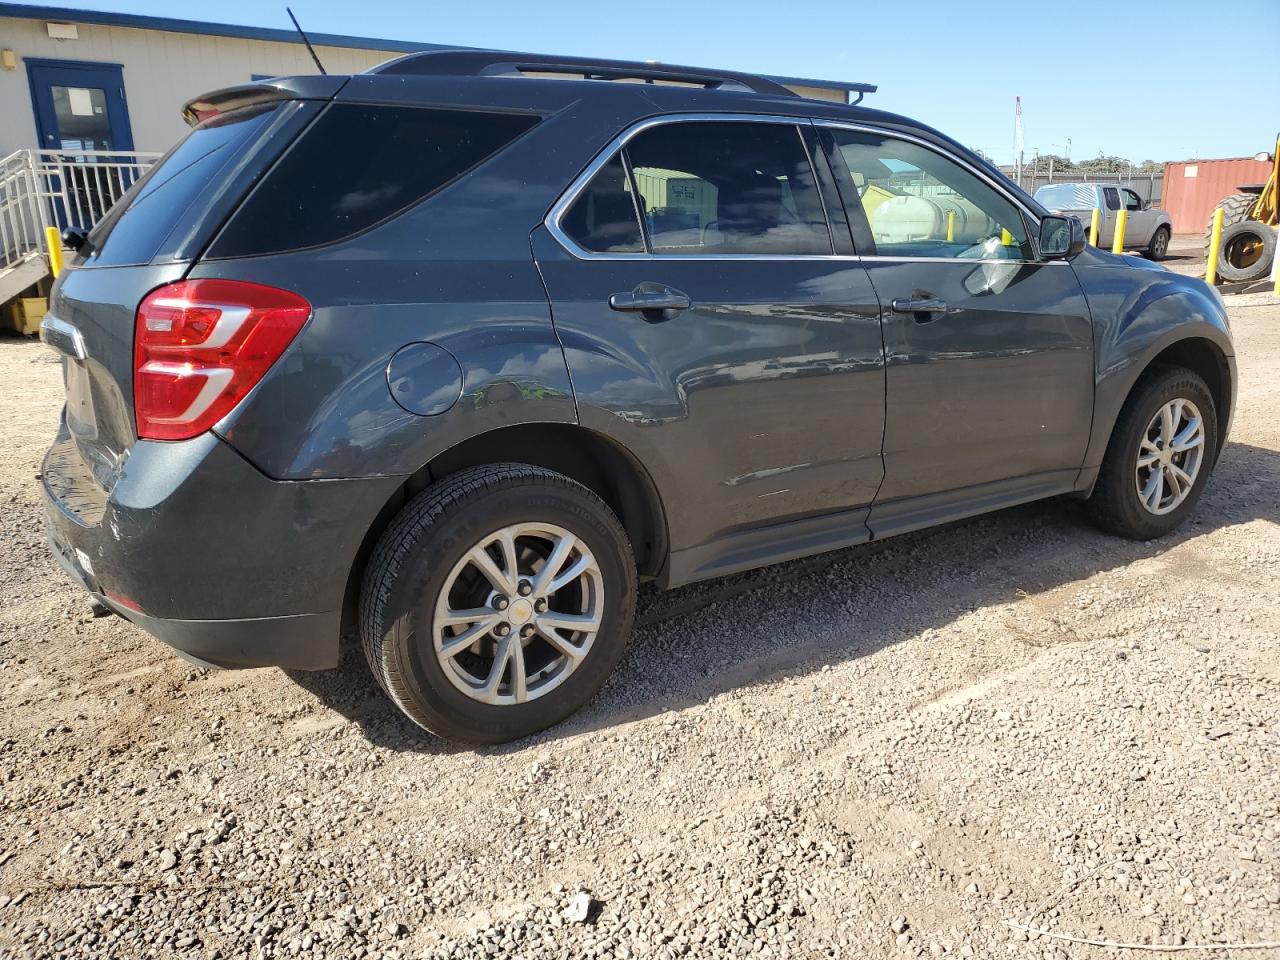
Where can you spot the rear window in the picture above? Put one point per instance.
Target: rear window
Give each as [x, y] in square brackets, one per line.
[134, 229]
[1067, 196]
[355, 167]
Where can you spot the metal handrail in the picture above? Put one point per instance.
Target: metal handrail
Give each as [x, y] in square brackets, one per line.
[60, 188]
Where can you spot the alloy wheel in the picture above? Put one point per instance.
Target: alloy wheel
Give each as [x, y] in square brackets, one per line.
[1170, 456]
[518, 613]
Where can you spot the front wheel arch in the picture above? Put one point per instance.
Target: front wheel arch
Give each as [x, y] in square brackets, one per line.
[1204, 358]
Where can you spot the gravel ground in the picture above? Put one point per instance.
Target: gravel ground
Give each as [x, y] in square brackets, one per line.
[885, 752]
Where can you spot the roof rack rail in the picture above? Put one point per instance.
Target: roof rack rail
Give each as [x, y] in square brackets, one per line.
[503, 63]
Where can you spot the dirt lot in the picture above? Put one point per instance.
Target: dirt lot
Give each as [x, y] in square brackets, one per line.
[885, 752]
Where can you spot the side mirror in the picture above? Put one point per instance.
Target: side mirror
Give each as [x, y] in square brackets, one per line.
[1061, 238]
[74, 237]
[1146, 204]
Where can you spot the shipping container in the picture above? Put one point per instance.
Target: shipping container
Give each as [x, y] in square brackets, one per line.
[1192, 188]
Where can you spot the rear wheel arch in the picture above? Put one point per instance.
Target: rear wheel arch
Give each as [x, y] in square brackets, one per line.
[597, 462]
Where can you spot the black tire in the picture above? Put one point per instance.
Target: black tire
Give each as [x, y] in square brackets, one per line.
[1115, 504]
[1246, 253]
[1158, 248]
[412, 562]
[1235, 209]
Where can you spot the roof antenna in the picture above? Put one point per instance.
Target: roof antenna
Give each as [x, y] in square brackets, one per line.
[310, 49]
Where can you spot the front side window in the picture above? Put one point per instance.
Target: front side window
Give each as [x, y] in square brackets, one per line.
[714, 187]
[919, 203]
[1132, 201]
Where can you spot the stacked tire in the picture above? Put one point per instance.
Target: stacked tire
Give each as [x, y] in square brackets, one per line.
[1248, 246]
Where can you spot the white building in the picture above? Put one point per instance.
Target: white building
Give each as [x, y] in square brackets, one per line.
[89, 99]
[113, 81]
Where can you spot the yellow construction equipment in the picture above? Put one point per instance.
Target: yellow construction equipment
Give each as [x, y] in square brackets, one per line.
[1250, 220]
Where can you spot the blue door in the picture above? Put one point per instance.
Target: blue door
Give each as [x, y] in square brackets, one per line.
[80, 109]
[79, 105]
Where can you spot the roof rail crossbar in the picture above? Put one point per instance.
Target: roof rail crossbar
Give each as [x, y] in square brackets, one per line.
[497, 63]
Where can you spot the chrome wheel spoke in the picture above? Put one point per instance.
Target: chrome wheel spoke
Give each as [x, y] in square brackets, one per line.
[508, 650]
[1167, 466]
[479, 556]
[569, 621]
[1154, 489]
[453, 618]
[559, 554]
[513, 652]
[452, 646]
[1191, 436]
[575, 570]
[1169, 416]
[508, 542]
[561, 643]
[1181, 478]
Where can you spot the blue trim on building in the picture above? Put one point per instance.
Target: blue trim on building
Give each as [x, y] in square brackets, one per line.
[173, 25]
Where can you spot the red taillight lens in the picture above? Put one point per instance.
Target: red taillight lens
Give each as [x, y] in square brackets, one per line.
[201, 345]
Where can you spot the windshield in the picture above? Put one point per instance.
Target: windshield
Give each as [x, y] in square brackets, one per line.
[1068, 196]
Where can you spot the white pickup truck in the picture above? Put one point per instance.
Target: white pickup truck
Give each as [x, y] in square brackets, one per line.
[1146, 229]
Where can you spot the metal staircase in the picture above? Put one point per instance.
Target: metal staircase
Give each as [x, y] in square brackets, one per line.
[55, 188]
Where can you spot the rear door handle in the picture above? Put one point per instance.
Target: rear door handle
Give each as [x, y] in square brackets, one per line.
[925, 308]
[650, 297]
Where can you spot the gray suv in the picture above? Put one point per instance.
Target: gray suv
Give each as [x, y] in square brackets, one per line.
[456, 353]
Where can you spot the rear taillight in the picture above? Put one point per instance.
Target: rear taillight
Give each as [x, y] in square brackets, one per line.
[201, 345]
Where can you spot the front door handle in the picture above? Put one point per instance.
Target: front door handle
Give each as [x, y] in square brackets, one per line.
[652, 299]
[924, 308]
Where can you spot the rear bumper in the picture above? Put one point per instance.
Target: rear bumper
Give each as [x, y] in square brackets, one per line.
[201, 550]
[299, 642]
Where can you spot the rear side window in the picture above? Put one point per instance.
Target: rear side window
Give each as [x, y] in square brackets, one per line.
[727, 187]
[136, 226]
[603, 218]
[358, 165]
[707, 188]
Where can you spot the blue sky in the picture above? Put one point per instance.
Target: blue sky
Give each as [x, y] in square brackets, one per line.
[1140, 80]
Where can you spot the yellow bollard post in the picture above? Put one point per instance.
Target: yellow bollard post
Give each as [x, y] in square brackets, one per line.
[53, 239]
[1006, 237]
[1093, 227]
[1122, 219]
[1275, 270]
[951, 226]
[1215, 241]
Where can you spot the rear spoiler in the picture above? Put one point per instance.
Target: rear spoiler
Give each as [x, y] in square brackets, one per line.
[210, 105]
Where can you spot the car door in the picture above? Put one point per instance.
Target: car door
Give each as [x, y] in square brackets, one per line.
[989, 351]
[1139, 227]
[1111, 204]
[710, 329]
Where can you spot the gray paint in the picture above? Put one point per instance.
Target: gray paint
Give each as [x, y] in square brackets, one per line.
[785, 412]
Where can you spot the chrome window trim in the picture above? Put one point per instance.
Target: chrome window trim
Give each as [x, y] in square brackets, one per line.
[561, 206]
[579, 183]
[933, 147]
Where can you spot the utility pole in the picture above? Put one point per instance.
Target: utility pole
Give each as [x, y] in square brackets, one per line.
[1017, 139]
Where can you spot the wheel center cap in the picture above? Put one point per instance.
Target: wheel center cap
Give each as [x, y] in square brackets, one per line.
[520, 612]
